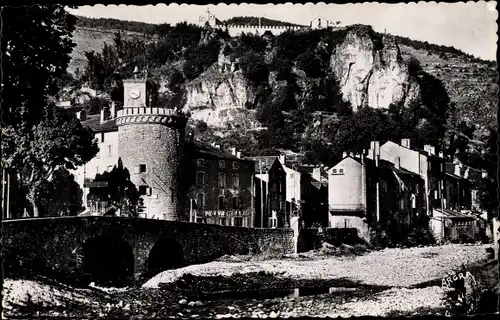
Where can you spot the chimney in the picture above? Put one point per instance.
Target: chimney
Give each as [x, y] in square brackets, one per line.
[112, 110]
[405, 143]
[281, 159]
[102, 115]
[344, 154]
[429, 149]
[484, 174]
[316, 174]
[238, 154]
[398, 163]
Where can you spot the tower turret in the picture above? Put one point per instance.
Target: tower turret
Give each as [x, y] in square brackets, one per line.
[151, 146]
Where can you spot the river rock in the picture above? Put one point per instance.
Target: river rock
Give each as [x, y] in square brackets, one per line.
[182, 301]
[191, 303]
[274, 314]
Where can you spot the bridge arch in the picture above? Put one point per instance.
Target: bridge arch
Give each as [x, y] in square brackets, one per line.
[108, 260]
[165, 254]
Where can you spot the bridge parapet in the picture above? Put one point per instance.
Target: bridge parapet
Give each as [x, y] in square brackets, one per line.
[62, 243]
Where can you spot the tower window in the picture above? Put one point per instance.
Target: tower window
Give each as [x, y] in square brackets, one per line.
[143, 190]
[142, 168]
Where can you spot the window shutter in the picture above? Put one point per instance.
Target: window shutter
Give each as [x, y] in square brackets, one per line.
[150, 191]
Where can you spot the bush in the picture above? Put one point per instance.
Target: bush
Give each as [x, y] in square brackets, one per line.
[419, 236]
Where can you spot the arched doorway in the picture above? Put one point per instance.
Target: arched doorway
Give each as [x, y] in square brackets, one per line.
[166, 254]
[108, 261]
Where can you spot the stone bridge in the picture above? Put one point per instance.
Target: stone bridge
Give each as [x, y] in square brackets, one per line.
[118, 249]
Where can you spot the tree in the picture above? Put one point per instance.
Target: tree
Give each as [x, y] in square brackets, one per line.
[120, 191]
[57, 141]
[488, 193]
[37, 137]
[62, 196]
[36, 43]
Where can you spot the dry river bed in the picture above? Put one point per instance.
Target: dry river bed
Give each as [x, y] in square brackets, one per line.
[379, 283]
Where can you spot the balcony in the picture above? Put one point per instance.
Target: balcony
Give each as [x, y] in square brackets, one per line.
[341, 208]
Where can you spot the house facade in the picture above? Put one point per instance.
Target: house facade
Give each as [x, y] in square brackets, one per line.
[270, 193]
[367, 192]
[220, 187]
[307, 194]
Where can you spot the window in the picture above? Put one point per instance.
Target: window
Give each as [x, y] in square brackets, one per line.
[142, 168]
[334, 171]
[341, 170]
[235, 203]
[222, 164]
[238, 222]
[236, 181]
[222, 180]
[201, 220]
[143, 190]
[200, 178]
[235, 165]
[401, 204]
[200, 200]
[102, 136]
[222, 221]
[221, 202]
[201, 162]
[240, 203]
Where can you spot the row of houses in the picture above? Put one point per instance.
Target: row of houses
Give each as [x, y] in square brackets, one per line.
[393, 183]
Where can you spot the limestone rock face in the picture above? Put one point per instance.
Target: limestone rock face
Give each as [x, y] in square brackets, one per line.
[372, 72]
[219, 98]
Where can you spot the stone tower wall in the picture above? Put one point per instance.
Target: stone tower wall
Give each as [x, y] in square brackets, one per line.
[155, 137]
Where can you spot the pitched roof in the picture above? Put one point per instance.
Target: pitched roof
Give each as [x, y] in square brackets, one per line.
[266, 162]
[452, 214]
[208, 150]
[94, 123]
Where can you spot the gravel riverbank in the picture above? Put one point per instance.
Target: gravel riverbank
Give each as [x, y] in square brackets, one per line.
[390, 267]
[378, 283]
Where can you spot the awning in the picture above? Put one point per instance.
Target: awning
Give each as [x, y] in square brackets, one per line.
[452, 214]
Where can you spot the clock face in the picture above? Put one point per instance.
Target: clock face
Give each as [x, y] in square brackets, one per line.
[134, 94]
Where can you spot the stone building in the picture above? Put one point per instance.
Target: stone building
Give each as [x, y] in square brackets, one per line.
[364, 193]
[270, 192]
[150, 141]
[307, 194]
[220, 187]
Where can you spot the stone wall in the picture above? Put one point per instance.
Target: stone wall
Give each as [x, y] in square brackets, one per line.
[309, 239]
[57, 244]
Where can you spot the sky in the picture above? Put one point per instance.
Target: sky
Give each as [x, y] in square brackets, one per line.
[470, 27]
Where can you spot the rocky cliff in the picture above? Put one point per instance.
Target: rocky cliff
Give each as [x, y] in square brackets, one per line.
[219, 98]
[371, 71]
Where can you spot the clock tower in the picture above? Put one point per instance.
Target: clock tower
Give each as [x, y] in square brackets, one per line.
[136, 93]
[151, 146]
